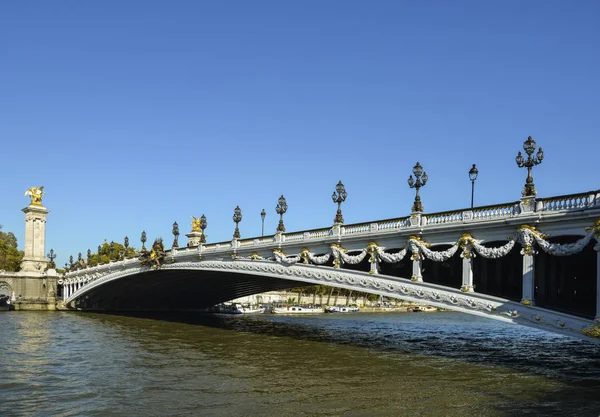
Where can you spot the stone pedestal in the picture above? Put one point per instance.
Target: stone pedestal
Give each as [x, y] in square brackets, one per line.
[194, 239]
[34, 259]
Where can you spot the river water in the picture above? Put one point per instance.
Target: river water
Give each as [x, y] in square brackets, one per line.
[363, 364]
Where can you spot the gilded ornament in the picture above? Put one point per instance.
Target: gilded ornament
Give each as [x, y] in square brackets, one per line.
[254, 256]
[372, 250]
[592, 331]
[305, 255]
[595, 228]
[526, 302]
[156, 257]
[35, 193]
[537, 318]
[533, 230]
[195, 224]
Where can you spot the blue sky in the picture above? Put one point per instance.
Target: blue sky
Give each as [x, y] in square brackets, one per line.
[136, 114]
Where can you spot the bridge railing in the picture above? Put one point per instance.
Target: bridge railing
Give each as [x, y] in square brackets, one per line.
[572, 201]
[579, 201]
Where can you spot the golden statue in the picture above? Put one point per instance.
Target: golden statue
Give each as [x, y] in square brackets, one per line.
[195, 224]
[35, 193]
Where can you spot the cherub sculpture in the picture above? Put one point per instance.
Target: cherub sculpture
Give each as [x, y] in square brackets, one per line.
[35, 193]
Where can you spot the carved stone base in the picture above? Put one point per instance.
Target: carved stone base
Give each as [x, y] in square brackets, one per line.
[194, 239]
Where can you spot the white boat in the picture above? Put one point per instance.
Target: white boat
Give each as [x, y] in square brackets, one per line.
[296, 310]
[426, 309]
[237, 308]
[340, 309]
[259, 309]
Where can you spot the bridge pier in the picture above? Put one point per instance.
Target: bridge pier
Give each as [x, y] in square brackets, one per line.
[528, 278]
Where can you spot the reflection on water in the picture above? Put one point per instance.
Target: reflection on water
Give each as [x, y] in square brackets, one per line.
[440, 364]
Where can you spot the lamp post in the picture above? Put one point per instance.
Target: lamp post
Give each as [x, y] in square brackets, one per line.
[237, 217]
[52, 256]
[421, 180]
[126, 244]
[99, 251]
[339, 196]
[281, 209]
[263, 213]
[175, 232]
[203, 225]
[473, 176]
[529, 147]
[143, 239]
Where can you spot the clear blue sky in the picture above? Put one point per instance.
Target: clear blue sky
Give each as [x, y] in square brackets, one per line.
[136, 114]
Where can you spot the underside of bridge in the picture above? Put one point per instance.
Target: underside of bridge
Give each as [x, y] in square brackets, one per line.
[177, 290]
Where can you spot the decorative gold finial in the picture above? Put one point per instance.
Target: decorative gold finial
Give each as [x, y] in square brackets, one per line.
[35, 193]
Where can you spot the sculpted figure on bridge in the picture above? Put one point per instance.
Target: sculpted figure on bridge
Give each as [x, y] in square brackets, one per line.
[35, 193]
[156, 257]
[195, 224]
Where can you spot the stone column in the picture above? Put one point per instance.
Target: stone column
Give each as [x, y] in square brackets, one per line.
[416, 271]
[34, 259]
[467, 274]
[528, 279]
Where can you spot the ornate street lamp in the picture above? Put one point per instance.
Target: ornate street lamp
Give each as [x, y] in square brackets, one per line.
[263, 213]
[203, 225]
[126, 244]
[99, 250]
[51, 256]
[421, 180]
[339, 196]
[281, 209]
[473, 176]
[111, 248]
[237, 217]
[176, 235]
[529, 147]
[71, 262]
[143, 239]
[89, 257]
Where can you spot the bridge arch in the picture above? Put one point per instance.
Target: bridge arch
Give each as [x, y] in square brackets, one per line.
[208, 282]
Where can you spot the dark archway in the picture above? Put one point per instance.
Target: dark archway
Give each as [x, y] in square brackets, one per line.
[501, 277]
[567, 283]
[447, 273]
[402, 269]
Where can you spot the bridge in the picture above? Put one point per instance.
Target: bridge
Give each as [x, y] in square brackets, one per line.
[535, 262]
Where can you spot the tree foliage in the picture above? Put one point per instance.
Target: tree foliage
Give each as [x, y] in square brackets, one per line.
[108, 251]
[10, 256]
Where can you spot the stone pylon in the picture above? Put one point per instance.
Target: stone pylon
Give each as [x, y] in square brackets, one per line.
[34, 259]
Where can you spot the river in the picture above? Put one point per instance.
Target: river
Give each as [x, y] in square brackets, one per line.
[363, 364]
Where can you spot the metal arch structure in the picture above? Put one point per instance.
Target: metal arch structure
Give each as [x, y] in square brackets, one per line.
[389, 286]
[201, 275]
